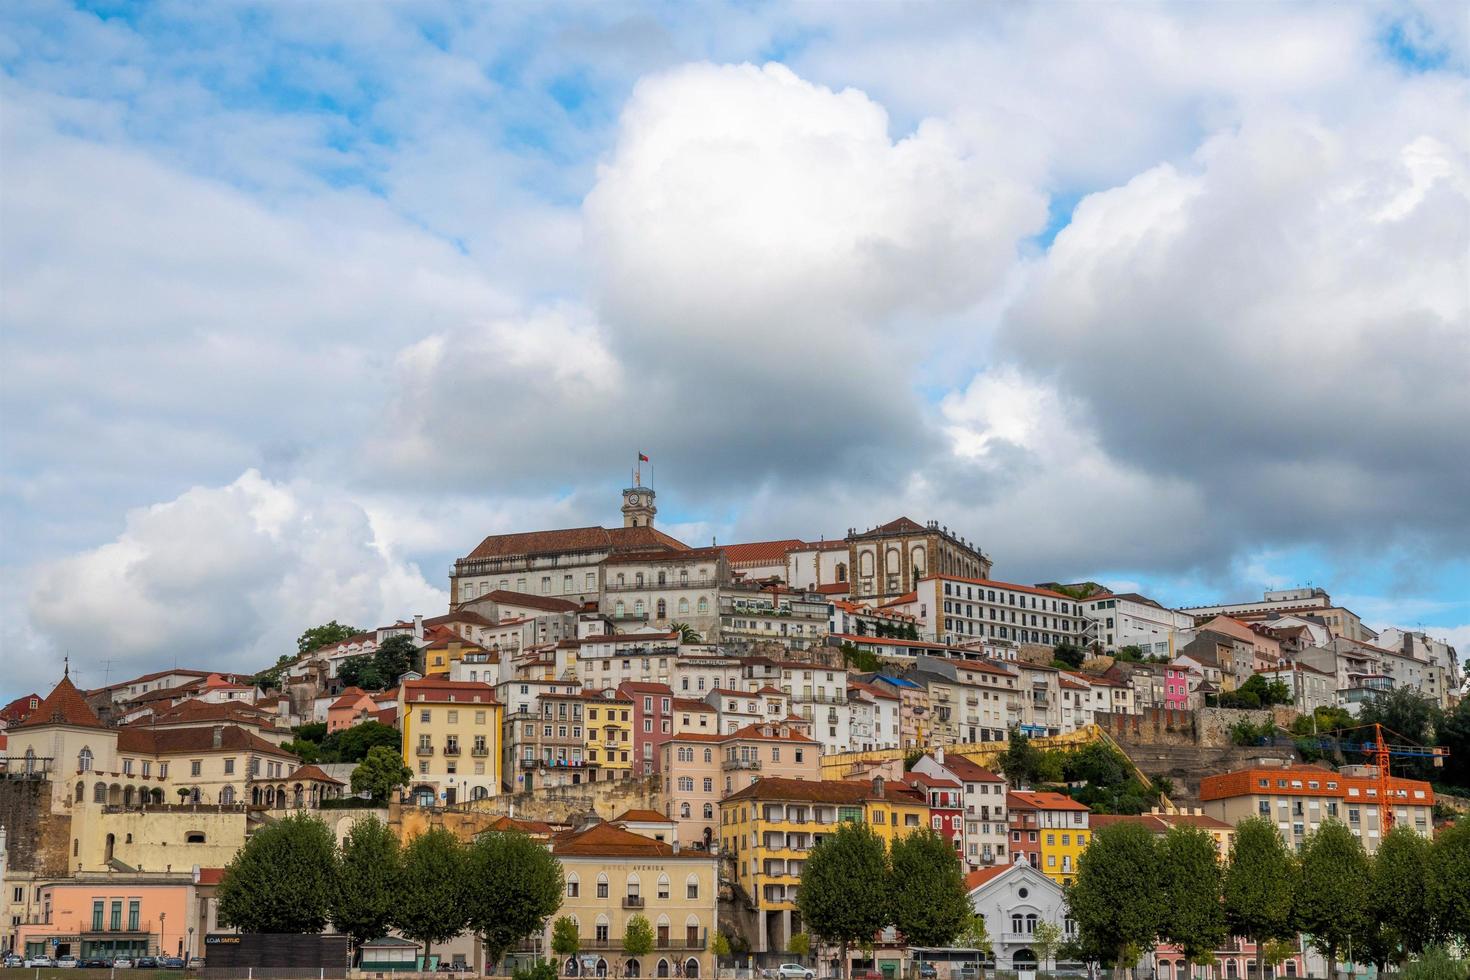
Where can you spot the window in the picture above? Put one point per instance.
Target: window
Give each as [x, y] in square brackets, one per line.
[96, 913]
[115, 920]
[424, 714]
[229, 767]
[84, 760]
[133, 910]
[574, 886]
[602, 886]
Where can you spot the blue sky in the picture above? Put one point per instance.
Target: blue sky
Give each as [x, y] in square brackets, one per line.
[298, 304]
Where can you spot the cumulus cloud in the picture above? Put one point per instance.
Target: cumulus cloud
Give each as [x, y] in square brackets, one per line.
[1283, 323]
[223, 576]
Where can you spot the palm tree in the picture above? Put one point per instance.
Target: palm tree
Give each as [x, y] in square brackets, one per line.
[687, 633]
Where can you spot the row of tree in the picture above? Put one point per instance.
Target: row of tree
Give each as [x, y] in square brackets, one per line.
[853, 887]
[1134, 890]
[292, 877]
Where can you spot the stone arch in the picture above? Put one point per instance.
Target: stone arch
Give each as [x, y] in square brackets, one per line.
[114, 794]
[128, 795]
[630, 968]
[691, 967]
[662, 970]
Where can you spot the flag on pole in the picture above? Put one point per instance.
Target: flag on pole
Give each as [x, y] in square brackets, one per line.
[642, 458]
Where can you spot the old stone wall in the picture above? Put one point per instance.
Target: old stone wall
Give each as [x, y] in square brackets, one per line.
[549, 804]
[38, 840]
[1203, 726]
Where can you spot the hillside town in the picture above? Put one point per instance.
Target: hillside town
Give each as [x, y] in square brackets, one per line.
[683, 728]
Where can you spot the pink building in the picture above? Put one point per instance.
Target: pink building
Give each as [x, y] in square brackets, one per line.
[111, 915]
[355, 705]
[1176, 688]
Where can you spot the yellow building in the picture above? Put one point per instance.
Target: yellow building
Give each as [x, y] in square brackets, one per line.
[768, 828]
[444, 651]
[451, 739]
[609, 733]
[1049, 831]
[612, 875]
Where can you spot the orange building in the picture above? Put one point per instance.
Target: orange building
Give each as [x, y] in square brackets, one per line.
[112, 915]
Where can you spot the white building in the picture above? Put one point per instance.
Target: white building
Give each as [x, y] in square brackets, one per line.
[1014, 899]
[819, 695]
[957, 610]
[649, 656]
[1128, 619]
[986, 820]
[659, 588]
[875, 717]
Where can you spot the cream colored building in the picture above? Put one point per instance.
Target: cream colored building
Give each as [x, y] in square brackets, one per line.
[451, 739]
[613, 875]
[700, 769]
[165, 838]
[661, 588]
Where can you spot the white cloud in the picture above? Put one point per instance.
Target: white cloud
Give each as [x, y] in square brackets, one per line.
[224, 576]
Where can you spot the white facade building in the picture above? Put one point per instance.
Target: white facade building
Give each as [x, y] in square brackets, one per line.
[1129, 619]
[959, 610]
[1014, 899]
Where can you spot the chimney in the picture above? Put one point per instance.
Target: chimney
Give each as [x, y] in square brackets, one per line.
[219, 735]
[418, 626]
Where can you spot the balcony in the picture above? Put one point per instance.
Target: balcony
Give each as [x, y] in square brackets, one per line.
[424, 750]
[632, 901]
[480, 751]
[740, 764]
[686, 941]
[451, 749]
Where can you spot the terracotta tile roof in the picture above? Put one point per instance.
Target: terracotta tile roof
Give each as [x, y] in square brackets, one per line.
[901, 600]
[349, 697]
[899, 525]
[605, 840]
[1246, 782]
[145, 678]
[63, 706]
[760, 552]
[175, 741]
[1020, 800]
[17, 710]
[924, 779]
[755, 731]
[645, 687]
[200, 712]
[663, 554]
[546, 603]
[314, 774]
[209, 876]
[641, 816]
[692, 704]
[871, 690]
[459, 616]
[968, 770]
[573, 539]
[837, 791]
[980, 876]
[834, 588]
[463, 692]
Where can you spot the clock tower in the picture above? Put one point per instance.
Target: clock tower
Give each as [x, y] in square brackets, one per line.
[638, 508]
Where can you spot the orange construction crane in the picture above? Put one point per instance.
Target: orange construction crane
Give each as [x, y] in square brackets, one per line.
[1381, 752]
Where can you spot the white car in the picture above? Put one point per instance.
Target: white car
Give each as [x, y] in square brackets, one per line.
[794, 971]
[66, 961]
[42, 960]
[122, 963]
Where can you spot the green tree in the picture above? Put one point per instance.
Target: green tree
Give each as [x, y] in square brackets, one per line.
[283, 879]
[517, 887]
[361, 671]
[396, 656]
[324, 635]
[380, 774]
[1192, 880]
[687, 633]
[720, 946]
[1453, 732]
[843, 898]
[1436, 964]
[928, 903]
[1021, 761]
[1397, 893]
[974, 935]
[1449, 882]
[1072, 656]
[564, 938]
[431, 901]
[367, 881]
[1116, 899]
[800, 944]
[1045, 942]
[1258, 887]
[353, 744]
[1332, 881]
[637, 937]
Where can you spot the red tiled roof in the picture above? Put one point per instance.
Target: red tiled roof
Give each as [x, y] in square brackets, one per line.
[199, 712]
[691, 704]
[464, 692]
[314, 774]
[759, 552]
[174, 741]
[210, 876]
[605, 840]
[17, 710]
[833, 588]
[968, 770]
[662, 554]
[545, 603]
[923, 778]
[1017, 799]
[837, 791]
[607, 539]
[871, 690]
[980, 876]
[754, 731]
[459, 616]
[645, 687]
[63, 706]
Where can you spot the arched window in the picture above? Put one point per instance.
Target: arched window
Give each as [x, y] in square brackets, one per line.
[691, 967]
[703, 605]
[686, 784]
[601, 885]
[663, 884]
[684, 809]
[1030, 922]
[691, 887]
[708, 756]
[842, 571]
[709, 811]
[574, 885]
[663, 608]
[99, 793]
[84, 759]
[227, 795]
[663, 968]
[194, 837]
[630, 969]
[684, 607]
[638, 607]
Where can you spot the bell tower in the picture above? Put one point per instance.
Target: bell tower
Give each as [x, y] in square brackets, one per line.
[638, 508]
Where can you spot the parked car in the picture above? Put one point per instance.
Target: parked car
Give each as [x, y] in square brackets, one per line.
[42, 960]
[146, 963]
[794, 971]
[67, 962]
[122, 963]
[928, 971]
[171, 962]
[195, 963]
[12, 961]
[97, 963]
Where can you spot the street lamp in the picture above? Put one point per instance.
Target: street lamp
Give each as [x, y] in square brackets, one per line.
[161, 917]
